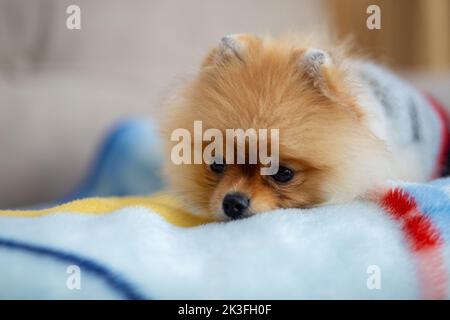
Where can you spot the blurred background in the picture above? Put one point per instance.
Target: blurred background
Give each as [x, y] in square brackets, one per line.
[61, 90]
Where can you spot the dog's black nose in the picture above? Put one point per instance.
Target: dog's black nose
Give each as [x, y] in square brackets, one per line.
[235, 204]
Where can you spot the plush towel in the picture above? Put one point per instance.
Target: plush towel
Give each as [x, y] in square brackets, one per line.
[150, 247]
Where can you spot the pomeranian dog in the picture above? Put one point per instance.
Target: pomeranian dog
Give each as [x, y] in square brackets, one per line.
[345, 127]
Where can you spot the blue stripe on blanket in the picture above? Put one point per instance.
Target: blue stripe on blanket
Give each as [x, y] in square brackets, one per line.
[433, 200]
[117, 283]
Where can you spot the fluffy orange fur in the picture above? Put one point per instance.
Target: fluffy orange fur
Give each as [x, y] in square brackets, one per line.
[323, 134]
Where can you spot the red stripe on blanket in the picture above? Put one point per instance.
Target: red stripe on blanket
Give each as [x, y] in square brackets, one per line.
[424, 240]
[445, 136]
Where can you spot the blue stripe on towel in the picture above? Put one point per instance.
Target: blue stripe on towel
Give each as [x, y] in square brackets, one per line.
[113, 280]
[434, 201]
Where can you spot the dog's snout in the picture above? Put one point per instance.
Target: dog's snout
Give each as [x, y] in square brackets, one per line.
[235, 204]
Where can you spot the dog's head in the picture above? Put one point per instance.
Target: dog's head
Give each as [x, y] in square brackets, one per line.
[325, 152]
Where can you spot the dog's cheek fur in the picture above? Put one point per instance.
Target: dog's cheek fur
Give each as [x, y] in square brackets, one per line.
[193, 184]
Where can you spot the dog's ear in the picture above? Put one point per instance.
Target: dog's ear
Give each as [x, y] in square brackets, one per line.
[318, 66]
[231, 47]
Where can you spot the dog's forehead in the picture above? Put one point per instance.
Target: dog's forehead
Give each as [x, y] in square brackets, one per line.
[267, 105]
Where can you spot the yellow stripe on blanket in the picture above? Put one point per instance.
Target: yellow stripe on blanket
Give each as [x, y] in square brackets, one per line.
[163, 204]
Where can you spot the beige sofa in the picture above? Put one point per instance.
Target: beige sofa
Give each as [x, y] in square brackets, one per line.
[60, 89]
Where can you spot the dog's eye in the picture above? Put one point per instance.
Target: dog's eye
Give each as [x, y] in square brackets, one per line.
[283, 175]
[217, 167]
